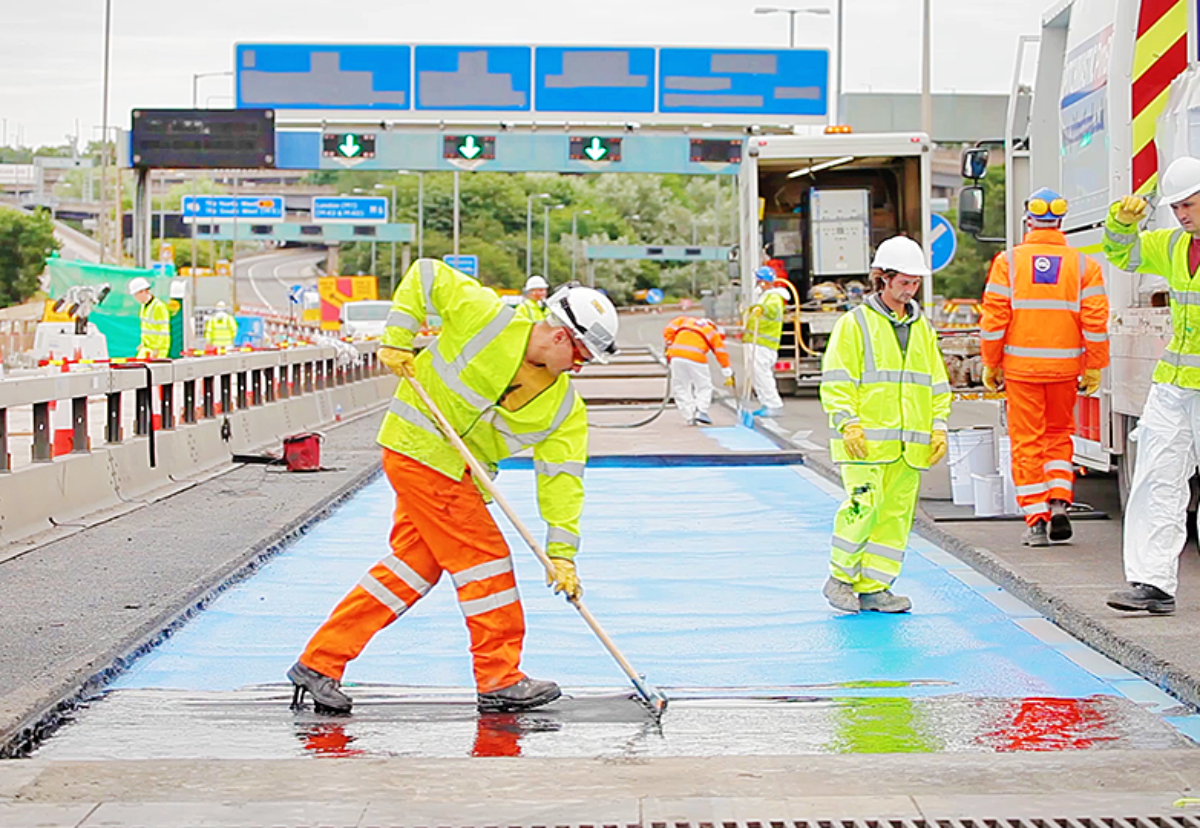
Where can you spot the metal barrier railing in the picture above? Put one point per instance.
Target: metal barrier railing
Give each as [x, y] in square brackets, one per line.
[211, 386]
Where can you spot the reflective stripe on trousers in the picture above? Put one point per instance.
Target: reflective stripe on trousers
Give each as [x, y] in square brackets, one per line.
[1041, 420]
[870, 531]
[440, 525]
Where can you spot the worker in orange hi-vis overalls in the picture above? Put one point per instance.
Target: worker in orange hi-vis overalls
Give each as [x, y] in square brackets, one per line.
[1045, 324]
[688, 341]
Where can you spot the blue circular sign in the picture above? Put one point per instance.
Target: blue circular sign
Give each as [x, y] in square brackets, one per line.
[654, 296]
[943, 243]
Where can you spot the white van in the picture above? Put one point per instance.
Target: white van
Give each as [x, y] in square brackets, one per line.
[364, 320]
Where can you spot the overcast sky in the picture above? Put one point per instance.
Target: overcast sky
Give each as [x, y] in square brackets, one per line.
[51, 51]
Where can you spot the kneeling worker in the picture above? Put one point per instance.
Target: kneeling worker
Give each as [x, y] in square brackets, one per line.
[688, 341]
[884, 385]
[502, 382]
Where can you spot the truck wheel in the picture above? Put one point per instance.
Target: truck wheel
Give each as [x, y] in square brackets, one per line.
[787, 387]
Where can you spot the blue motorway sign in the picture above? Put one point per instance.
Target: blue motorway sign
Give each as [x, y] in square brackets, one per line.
[349, 210]
[943, 243]
[575, 79]
[296, 294]
[324, 77]
[259, 209]
[412, 81]
[484, 78]
[744, 81]
[468, 264]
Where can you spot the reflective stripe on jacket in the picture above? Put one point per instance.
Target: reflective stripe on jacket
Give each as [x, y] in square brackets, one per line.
[531, 310]
[689, 338]
[770, 324]
[898, 398]
[220, 330]
[1164, 253]
[467, 370]
[1045, 311]
[156, 329]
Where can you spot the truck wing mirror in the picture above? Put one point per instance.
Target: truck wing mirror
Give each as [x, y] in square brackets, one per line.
[974, 163]
[970, 210]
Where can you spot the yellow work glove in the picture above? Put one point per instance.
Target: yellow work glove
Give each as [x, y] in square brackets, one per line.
[1090, 383]
[756, 312]
[855, 441]
[937, 446]
[1131, 210]
[729, 381]
[993, 378]
[398, 360]
[564, 579]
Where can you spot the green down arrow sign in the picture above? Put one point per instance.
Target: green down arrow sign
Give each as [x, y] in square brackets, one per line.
[596, 150]
[350, 146]
[469, 148]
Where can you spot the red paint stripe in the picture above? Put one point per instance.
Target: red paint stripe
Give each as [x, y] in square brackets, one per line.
[1145, 164]
[1151, 12]
[1159, 76]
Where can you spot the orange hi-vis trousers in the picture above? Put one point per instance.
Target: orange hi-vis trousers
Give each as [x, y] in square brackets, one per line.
[1041, 420]
[440, 525]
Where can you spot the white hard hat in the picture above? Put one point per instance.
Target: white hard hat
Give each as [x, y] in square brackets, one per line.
[1182, 179]
[589, 315]
[536, 283]
[221, 304]
[903, 255]
[138, 285]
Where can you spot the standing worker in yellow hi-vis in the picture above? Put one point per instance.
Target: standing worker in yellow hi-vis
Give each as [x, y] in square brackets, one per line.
[221, 329]
[884, 386]
[155, 317]
[533, 305]
[502, 382]
[763, 331]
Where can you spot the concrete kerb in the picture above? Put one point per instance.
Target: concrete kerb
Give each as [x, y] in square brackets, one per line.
[47, 707]
[1128, 654]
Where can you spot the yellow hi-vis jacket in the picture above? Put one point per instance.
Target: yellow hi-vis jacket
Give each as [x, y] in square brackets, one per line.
[1165, 253]
[467, 371]
[220, 330]
[156, 330]
[770, 324]
[899, 397]
[531, 310]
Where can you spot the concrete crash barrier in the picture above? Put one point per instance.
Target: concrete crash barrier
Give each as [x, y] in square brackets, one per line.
[201, 412]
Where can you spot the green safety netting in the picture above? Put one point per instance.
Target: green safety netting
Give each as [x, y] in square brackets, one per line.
[117, 316]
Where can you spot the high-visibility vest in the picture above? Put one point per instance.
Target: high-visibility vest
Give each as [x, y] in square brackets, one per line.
[531, 310]
[687, 337]
[898, 398]
[769, 325]
[467, 371]
[1045, 311]
[1165, 253]
[220, 330]
[156, 329]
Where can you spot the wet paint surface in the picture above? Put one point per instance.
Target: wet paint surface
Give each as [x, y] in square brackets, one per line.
[709, 580]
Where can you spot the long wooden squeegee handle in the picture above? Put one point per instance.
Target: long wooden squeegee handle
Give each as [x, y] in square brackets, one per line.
[653, 697]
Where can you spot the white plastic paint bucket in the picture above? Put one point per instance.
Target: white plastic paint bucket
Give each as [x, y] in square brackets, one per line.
[1004, 448]
[971, 451]
[989, 494]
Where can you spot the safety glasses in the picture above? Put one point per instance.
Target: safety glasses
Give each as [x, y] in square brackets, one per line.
[582, 355]
[1040, 207]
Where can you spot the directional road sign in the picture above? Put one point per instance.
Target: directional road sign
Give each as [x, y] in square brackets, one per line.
[349, 210]
[296, 294]
[348, 145]
[468, 264]
[943, 243]
[258, 209]
[639, 84]
[470, 147]
[594, 148]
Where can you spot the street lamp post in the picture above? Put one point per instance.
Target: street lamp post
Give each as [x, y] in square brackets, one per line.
[926, 96]
[529, 232]
[546, 238]
[791, 13]
[392, 187]
[196, 76]
[575, 237]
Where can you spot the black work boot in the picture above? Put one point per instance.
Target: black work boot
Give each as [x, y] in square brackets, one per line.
[326, 692]
[1060, 524]
[1142, 597]
[526, 694]
[1035, 535]
[703, 419]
